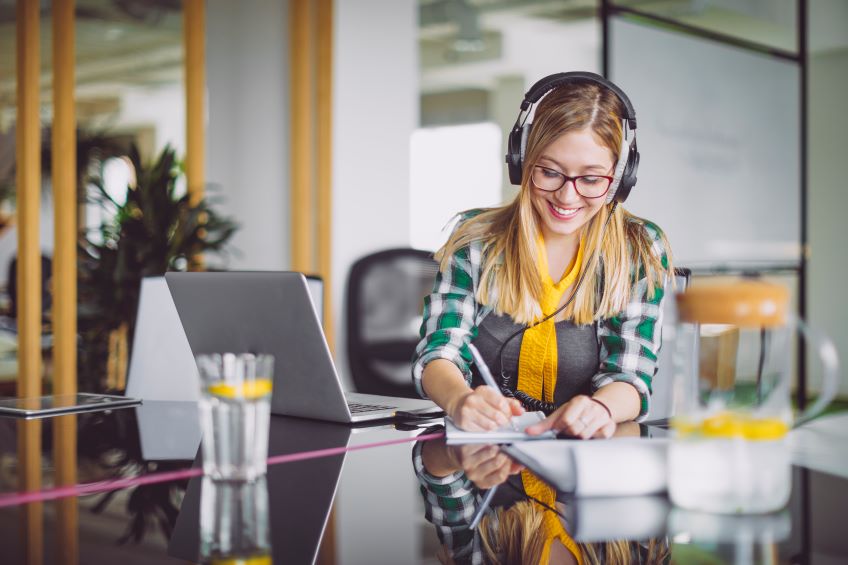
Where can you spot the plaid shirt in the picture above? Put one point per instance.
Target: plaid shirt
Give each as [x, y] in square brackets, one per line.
[450, 504]
[629, 342]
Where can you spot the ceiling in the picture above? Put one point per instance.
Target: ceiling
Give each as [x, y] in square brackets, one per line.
[124, 44]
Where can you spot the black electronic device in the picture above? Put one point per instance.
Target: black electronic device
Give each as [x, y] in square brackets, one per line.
[56, 405]
[628, 161]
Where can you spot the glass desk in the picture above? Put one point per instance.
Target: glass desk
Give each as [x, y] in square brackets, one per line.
[334, 494]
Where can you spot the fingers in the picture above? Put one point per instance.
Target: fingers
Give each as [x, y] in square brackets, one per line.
[579, 417]
[486, 466]
[543, 426]
[484, 409]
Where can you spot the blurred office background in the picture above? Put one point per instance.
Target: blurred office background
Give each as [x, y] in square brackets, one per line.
[742, 173]
[398, 111]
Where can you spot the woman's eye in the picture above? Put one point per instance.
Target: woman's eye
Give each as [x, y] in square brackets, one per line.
[550, 174]
[591, 180]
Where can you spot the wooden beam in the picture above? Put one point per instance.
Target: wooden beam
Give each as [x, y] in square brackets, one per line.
[29, 479]
[64, 155]
[67, 509]
[302, 138]
[28, 186]
[324, 158]
[194, 24]
[194, 34]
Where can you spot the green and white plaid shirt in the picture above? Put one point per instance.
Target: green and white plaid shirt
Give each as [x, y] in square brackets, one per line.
[629, 342]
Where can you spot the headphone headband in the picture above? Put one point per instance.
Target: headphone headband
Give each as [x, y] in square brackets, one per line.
[548, 83]
[628, 160]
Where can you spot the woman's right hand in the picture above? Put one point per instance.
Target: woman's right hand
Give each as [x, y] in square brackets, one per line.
[485, 465]
[483, 409]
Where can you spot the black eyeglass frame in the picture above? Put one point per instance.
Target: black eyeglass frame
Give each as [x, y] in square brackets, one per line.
[566, 178]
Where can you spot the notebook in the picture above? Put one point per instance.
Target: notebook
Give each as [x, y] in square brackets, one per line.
[272, 312]
[510, 433]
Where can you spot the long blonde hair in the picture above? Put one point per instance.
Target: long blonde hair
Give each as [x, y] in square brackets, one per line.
[510, 281]
[517, 535]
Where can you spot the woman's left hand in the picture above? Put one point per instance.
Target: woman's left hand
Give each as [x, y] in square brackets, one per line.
[580, 417]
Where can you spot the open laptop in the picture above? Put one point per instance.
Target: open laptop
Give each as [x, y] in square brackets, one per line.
[271, 312]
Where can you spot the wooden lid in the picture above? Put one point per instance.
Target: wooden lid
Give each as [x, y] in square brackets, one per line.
[744, 303]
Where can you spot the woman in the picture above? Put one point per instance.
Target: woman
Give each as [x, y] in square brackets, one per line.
[560, 289]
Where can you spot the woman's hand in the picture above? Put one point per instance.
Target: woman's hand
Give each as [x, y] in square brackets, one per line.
[483, 409]
[485, 465]
[579, 417]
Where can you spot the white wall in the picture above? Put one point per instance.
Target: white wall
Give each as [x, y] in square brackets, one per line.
[828, 201]
[247, 132]
[375, 111]
[162, 108]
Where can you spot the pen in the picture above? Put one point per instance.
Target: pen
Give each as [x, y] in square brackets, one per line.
[487, 375]
[484, 369]
[483, 506]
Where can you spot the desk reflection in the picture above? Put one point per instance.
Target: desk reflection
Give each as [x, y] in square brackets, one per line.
[295, 509]
[529, 521]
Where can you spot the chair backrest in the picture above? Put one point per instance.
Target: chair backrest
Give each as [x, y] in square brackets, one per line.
[662, 405]
[384, 300]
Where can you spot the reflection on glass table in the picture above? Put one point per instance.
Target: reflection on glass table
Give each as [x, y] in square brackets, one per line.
[234, 522]
[532, 521]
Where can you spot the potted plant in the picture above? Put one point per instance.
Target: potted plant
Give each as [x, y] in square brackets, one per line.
[154, 230]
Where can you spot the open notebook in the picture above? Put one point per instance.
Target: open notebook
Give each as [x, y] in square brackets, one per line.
[507, 434]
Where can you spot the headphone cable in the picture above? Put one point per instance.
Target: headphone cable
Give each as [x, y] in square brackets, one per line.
[526, 400]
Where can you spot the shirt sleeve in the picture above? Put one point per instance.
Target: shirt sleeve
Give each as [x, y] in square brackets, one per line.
[448, 323]
[630, 341]
[450, 504]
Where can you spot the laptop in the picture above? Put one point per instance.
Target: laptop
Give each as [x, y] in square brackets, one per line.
[271, 312]
[161, 365]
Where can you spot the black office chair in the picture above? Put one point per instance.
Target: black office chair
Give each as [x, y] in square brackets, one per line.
[384, 301]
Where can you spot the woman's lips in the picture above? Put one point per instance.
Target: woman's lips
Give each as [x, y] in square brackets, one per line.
[562, 213]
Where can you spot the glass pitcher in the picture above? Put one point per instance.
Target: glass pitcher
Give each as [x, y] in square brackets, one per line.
[732, 381]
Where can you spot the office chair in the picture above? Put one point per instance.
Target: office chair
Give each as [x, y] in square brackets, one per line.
[384, 300]
[662, 399]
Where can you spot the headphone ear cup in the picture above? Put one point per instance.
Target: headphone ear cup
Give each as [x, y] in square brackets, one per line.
[516, 144]
[628, 177]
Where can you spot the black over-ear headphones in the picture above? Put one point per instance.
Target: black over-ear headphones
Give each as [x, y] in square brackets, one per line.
[628, 161]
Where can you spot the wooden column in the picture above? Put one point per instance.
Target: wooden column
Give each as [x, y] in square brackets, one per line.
[324, 151]
[29, 479]
[194, 33]
[28, 185]
[67, 509]
[64, 164]
[64, 153]
[302, 138]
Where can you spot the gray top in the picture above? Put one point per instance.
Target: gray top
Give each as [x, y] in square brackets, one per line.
[577, 347]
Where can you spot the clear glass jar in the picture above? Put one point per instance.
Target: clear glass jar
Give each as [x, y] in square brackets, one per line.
[732, 382]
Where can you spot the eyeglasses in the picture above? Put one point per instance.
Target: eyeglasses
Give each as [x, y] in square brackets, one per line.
[587, 186]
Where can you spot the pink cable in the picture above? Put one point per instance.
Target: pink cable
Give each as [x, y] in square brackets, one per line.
[17, 498]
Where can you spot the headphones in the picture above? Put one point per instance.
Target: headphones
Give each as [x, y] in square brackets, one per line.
[628, 160]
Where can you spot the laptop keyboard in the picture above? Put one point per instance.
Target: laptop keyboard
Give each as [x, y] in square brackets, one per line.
[356, 408]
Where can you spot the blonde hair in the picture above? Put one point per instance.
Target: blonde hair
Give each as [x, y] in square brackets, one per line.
[517, 535]
[510, 281]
